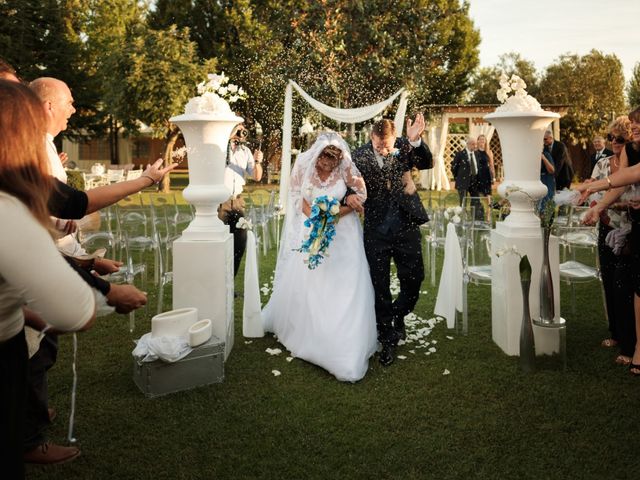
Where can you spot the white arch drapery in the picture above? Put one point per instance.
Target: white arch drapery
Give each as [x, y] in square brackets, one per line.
[344, 115]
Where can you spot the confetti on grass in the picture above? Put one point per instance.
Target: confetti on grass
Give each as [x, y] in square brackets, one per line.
[273, 351]
[276, 373]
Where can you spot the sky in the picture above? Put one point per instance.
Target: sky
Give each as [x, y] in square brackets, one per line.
[542, 30]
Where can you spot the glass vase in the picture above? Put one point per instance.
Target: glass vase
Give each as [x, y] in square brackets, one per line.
[547, 304]
[527, 343]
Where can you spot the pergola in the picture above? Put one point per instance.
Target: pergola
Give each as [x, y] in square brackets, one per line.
[439, 136]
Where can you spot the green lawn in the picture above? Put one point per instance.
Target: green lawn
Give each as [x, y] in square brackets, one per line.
[483, 420]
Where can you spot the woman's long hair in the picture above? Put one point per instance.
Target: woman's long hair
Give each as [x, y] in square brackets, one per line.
[24, 167]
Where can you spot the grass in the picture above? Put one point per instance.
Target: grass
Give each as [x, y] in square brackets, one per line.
[408, 421]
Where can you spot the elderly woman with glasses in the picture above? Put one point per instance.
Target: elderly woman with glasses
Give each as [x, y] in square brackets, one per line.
[614, 248]
[616, 183]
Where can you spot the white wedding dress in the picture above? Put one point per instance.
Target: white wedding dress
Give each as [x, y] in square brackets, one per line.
[325, 316]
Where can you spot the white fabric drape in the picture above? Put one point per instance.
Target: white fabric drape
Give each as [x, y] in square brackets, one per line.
[450, 289]
[439, 180]
[344, 115]
[251, 311]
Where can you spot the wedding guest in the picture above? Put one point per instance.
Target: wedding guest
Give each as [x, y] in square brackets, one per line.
[391, 223]
[614, 255]
[483, 146]
[547, 176]
[40, 279]
[600, 151]
[7, 72]
[486, 173]
[628, 174]
[240, 162]
[466, 172]
[561, 161]
[58, 106]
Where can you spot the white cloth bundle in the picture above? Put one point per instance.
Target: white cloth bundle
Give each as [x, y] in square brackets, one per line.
[169, 349]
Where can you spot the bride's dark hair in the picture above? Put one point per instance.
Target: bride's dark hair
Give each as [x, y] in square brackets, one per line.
[332, 152]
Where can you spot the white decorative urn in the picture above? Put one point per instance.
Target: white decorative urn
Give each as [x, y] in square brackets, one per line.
[206, 137]
[521, 139]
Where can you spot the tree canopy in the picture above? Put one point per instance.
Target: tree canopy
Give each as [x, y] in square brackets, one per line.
[593, 86]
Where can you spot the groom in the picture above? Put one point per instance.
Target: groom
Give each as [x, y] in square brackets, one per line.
[393, 213]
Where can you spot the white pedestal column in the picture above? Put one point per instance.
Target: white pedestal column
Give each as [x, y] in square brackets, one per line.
[203, 278]
[521, 136]
[203, 255]
[506, 293]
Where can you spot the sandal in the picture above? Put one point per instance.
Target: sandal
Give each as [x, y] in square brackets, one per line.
[623, 360]
[632, 367]
[609, 342]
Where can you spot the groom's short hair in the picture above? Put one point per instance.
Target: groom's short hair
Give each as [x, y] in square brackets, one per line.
[384, 128]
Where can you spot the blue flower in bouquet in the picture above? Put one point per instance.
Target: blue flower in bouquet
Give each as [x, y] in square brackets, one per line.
[322, 221]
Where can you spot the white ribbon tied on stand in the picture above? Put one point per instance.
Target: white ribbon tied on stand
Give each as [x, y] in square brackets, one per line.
[450, 289]
[251, 309]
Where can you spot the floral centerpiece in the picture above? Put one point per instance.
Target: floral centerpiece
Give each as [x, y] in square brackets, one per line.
[214, 96]
[520, 101]
[322, 221]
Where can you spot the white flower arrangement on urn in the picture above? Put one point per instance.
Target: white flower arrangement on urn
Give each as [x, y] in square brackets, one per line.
[520, 101]
[214, 96]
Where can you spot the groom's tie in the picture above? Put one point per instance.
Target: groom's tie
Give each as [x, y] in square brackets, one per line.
[474, 167]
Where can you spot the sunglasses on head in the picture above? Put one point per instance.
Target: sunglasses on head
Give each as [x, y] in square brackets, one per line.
[617, 139]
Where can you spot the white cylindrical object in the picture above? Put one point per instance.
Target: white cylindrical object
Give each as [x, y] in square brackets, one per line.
[521, 135]
[174, 323]
[200, 332]
[206, 137]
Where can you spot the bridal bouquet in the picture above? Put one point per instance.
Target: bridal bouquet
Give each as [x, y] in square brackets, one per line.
[322, 221]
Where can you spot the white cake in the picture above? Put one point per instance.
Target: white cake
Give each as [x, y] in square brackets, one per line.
[174, 323]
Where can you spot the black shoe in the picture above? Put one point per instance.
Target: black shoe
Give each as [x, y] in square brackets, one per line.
[401, 331]
[387, 355]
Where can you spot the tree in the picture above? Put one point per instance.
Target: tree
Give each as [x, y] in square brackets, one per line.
[633, 90]
[42, 38]
[341, 52]
[157, 72]
[593, 87]
[485, 83]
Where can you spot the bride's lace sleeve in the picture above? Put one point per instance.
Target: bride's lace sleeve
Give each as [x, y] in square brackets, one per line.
[353, 179]
[295, 186]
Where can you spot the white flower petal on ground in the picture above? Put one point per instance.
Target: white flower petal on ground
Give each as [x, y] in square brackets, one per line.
[401, 342]
[434, 341]
[427, 353]
[402, 357]
[248, 342]
[289, 359]
[273, 351]
[450, 338]
[446, 372]
[432, 349]
[276, 373]
[412, 351]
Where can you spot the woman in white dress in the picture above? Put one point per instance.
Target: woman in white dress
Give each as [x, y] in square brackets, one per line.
[324, 315]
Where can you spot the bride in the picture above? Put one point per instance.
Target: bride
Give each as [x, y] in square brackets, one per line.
[324, 315]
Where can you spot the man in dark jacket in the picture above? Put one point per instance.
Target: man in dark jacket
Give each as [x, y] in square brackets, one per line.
[392, 218]
[561, 161]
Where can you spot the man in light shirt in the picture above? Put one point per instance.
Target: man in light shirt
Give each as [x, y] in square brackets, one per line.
[240, 162]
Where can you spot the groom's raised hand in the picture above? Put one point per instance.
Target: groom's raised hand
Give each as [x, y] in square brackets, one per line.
[415, 128]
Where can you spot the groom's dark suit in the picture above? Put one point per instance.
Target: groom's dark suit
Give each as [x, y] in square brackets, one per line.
[391, 222]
